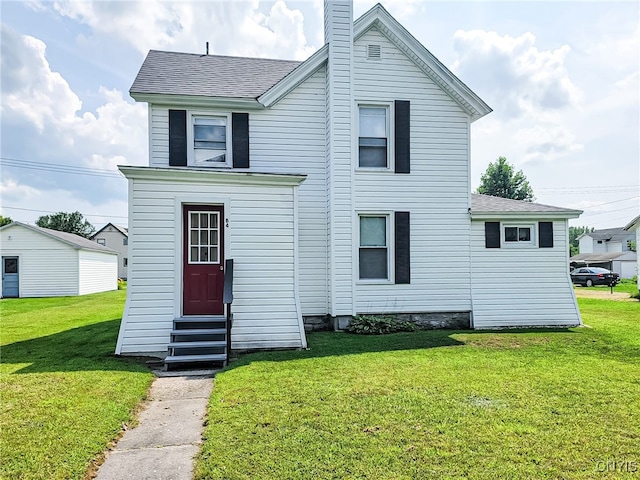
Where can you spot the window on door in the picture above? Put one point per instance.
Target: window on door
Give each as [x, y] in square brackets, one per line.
[204, 237]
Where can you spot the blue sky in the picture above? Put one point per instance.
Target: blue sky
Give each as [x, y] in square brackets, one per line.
[561, 77]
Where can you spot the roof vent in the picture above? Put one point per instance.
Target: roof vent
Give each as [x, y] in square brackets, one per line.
[374, 52]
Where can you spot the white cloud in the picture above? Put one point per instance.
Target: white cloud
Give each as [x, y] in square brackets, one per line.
[30, 89]
[231, 28]
[32, 92]
[520, 78]
[545, 141]
[30, 202]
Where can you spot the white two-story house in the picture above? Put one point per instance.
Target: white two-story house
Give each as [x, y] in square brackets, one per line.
[339, 186]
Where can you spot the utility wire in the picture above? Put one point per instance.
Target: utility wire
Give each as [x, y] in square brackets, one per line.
[31, 165]
[609, 212]
[49, 211]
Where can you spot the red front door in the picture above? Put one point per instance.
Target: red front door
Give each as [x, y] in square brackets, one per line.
[203, 260]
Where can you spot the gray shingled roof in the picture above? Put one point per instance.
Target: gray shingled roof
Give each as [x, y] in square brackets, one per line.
[604, 257]
[488, 204]
[173, 73]
[68, 238]
[616, 234]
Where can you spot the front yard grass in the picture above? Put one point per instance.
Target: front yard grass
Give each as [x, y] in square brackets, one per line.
[533, 404]
[64, 395]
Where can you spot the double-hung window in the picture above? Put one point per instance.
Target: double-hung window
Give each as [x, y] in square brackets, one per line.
[373, 137]
[209, 140]
[374, 247]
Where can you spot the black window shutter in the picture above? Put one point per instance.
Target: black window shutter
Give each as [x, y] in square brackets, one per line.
[178, 138]
[240, 132]
[402, 131]
[402, 253]
[545, 234]
[492, 234]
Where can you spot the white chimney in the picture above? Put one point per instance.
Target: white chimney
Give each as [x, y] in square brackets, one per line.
[338, 33]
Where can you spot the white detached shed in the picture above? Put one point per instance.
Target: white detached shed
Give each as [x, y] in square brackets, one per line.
[39, 262]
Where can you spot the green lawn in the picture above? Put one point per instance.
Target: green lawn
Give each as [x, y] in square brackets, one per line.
[513, 404]
[64, 395]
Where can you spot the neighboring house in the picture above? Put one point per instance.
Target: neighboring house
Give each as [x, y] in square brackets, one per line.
[116, 238]
[339, 186]
[39, 262]
[608, 248]
[634, 225]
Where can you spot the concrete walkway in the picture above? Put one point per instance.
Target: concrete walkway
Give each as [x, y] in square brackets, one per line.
[168, 435]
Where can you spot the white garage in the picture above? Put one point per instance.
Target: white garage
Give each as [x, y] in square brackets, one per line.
[39, 262]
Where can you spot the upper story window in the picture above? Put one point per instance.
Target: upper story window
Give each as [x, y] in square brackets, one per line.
[125, 241]
[209, 140]
[206, 139]
[373, 137]
[101, 241]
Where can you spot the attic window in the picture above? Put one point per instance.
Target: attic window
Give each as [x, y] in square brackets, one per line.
[374, 52]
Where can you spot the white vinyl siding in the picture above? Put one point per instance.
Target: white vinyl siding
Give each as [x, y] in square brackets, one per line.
[260, 239]
[290, 138]
[97, 272]
[340, 154]
[286, 138]
[435, 192]
[522, 286]
[48, 267]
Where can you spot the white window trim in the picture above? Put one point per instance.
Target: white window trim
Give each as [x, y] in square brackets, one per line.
[530, 244]
[99, 240]
[390, 249]
[191, 114]
[390, 136]
[218, 260]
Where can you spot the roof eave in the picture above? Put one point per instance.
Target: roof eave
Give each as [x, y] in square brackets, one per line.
[525, 215]
[200, 175]
[303, 71]
[633, 224]
[197, 101]
[377, 16]
[99, 248]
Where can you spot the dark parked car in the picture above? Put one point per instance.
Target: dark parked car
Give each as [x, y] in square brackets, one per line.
[589, 276]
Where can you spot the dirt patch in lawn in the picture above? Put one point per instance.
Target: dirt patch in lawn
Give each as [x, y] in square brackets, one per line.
[604, 294]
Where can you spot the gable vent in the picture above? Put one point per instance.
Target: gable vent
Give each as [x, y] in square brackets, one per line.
[374, 52]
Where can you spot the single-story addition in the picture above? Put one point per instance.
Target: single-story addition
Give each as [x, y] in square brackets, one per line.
[39, 262]
[338, 186]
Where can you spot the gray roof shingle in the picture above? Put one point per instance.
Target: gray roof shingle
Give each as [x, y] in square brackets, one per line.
[174, 73]
[488, 204]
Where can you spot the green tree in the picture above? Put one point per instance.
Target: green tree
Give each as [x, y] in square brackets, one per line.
[67, 222]
[5, 221]
[500, 181]
[574, 233]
